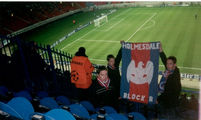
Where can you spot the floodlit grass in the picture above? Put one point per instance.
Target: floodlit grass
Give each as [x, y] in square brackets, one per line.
[175, 27]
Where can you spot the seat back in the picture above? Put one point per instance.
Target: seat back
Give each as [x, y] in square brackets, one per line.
[24, 93]
[42, 94]
[6, 108]
[63, 100]
[116, 116]
[88, 106]
[79, 110]
[22, 106]
[49, 103]
[137, 116]
[59, 114]
[3, 90]
[109, 109]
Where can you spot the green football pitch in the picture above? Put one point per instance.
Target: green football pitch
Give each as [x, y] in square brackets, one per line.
[175, 27]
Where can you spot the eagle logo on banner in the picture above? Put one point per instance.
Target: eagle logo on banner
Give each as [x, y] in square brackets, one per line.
[140, 71]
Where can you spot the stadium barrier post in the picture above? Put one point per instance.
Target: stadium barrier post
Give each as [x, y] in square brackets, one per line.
[3, 47]
[52, 67]
[60, 54]
[27, 76]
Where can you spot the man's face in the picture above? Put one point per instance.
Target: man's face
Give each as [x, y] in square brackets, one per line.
[170, 64]
[103, 75]
[111, 62]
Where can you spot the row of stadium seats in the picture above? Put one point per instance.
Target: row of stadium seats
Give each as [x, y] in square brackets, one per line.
[41, 79]
[41, 99]
[42, 107]
[15, 17]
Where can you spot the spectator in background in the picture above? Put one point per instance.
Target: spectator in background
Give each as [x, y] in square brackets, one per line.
[172, 87]
[103, 89]
[113, 70]
[74, 22]
[81, 72]
[196, 16]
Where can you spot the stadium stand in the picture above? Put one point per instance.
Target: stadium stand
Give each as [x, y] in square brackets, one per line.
[25, 14]
[99, 3]
[55, 91]
[116, 2]
[40, 78]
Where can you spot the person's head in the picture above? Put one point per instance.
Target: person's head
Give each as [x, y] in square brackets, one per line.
[102, 73]
[81, 52]
[111, 60]
[171, 63]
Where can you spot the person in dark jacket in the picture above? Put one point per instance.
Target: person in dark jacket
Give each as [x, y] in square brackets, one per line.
[113, 70]
[171, 87]
[103, 89]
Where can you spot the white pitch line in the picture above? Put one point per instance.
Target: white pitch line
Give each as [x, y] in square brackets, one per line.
[89, 32]
[78, 38]
[109, 41]
[142, 13]
[122, 13]
[141, 27]
[150, 26]
[114, 25]
[192, 68]
[97, 60]
[82, 37]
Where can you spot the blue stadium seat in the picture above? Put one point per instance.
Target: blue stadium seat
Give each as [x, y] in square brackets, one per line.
[116, 116]
[109, 109]
[93, 116]
[63, 100]
[49, 103]
[137, 116]
[42, 94]
[79, 110]
[2, 93]
[24, 93]
[22, 106]
[3, 90]
[88, 106]
[113, 116]
[6, 108]
[97, 109]
[38, 116]
[59, 114]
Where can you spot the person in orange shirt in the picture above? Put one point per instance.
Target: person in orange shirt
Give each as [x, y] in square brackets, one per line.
[81, 72]
[74, 22]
